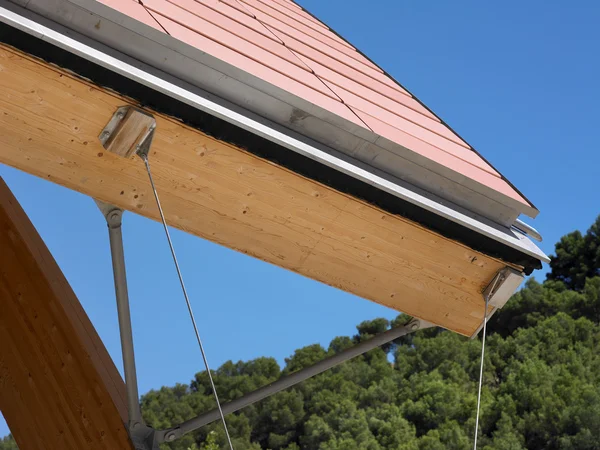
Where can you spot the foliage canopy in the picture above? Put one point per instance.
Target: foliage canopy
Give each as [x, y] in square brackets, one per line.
[542, 381]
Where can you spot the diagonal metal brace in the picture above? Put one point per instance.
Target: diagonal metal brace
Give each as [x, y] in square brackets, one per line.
[113, 216]
[141, 435]
[146, 438]
[130, 131]
[291, 380]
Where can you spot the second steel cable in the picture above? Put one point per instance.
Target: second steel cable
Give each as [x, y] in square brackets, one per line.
[485, 317]
[187, 300]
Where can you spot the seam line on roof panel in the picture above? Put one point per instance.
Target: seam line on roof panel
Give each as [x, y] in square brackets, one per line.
[243, 5]
[154, 18]
[358, 60]
[314, 22]
[207, 5]
[284, 5]
[295, 21]
[400, 115]
[355, 58]
[343, 102]
[261, 24]
[338, 60]
[226, 16]
[395, 81]
[285, 35]
[299, 62]
[323, 40]
[428, 108]
[497, 174]
[234, 49]
[332, 96]
[304, 63]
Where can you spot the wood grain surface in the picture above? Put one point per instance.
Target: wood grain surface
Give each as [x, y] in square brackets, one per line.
[49, 126]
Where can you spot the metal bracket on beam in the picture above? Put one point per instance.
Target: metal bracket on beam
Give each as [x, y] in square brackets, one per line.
[498, 292]
[290, 380]
[129, 131]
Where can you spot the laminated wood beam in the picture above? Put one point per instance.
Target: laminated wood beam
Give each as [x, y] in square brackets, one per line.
[49, 127]
[59, 388]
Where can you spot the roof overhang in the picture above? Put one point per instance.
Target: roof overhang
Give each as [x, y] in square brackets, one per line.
[146, 44]
[73, 29]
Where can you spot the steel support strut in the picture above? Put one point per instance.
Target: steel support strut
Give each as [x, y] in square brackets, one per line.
[291, 380]
[113, 216]
[144, 437]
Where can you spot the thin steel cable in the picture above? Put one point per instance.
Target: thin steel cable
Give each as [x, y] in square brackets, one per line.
[485, 315]
[187, 300]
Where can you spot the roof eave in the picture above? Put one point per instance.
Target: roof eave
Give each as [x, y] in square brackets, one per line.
[126, 66]
[149, 45]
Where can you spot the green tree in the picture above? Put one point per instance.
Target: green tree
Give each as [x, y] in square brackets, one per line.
[577, 258]
[541, 381]
[8, 443]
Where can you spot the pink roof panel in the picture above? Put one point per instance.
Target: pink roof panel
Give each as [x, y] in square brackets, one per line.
[434, 153]
[276, 66]
[134, 10]
[297, 14]
[332, 61]
[283, 45]
[265, 12]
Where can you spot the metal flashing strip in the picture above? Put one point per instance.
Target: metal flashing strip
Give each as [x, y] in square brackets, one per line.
[76, 44]
[500, 290]
[499, 293]
[124, 34]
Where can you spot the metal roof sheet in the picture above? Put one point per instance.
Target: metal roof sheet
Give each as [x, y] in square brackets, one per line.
[65, 20]
[275, 59]
[284, 45]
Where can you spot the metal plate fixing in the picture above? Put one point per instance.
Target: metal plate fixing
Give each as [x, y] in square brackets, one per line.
[112, 124]
[129, 131]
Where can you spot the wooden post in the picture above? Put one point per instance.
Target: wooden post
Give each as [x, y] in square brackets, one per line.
[59, 388]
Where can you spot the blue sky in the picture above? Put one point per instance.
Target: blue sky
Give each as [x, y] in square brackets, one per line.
[518, 80]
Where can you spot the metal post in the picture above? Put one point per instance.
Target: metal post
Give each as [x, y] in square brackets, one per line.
[291, 380]
[113, 216]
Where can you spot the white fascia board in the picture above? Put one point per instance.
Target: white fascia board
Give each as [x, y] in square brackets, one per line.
[188, 63]
[49, 31]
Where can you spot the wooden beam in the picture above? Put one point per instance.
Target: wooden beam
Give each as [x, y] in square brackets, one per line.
[59, 388]
[49, 127]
